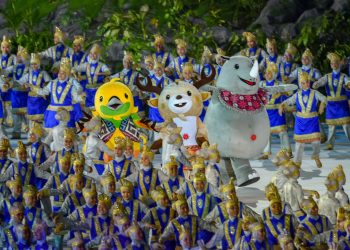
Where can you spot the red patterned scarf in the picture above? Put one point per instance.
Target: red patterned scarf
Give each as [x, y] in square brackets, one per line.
[244, 103]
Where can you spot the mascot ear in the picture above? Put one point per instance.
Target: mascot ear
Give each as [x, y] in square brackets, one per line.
[153, 103]
[205, 96]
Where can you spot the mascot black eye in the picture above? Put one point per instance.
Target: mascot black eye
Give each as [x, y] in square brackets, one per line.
[236, 66]
[101, 98]
[126, 95]
[167, 97]
[189, 93]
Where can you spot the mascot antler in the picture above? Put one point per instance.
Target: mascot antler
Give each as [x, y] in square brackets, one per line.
[205, 79]
[149, 86]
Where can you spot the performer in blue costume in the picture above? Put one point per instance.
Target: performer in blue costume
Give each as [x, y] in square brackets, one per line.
[287, 65]
[7, 60]
[253, 50]
[96, 73]
[19, 94]
[278, 124]
[272, 55]
[161, 56]
[64, 93]
[161, 80]
[337, 111]
[128, 76]
[37, 78]
[307, 126]
[177, 64]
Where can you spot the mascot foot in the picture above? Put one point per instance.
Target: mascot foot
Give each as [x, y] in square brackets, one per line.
[246, 175]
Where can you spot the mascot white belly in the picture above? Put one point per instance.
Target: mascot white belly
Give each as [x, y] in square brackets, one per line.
[240, 135]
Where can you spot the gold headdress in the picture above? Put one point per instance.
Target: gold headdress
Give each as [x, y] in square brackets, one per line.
[249, 219]
[21, 148]
[307, 53]
[79, 40]
[199, 177]
[103, 198]
[188, 67]
[66, 65]
[229, 187]
[69, 134]
[304, 77]
[118, 209]
[181, 200]
[16, 208]
[128, 56]
[308, 203]
[257, 226]
[198, 163]
[74, 178]
[6, 42]
[149, 59]
[276, 199]
[23, 52]
[158, 194]
[126, 185]
[59, 34]
[332, 183]
[333, 57]
[119, 142]
[90, 192]
[180, 43]
[272, 68]
[16, 181]
[291, 49]
[37, 130]
[271, 42]
[220, 52]
[158, 65]
[4, 144]
[206, 52]
[172, 162]
[129, 142]
[271, 191]
[339, 173]
[35, 58]
[158, 39]
[249, 36]
[96, 49]
[78, 159]
[107, 178]
[341, 214]
[30, 190]
[147, 152]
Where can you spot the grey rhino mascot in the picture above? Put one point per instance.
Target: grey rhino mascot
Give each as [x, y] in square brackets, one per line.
[236, 118]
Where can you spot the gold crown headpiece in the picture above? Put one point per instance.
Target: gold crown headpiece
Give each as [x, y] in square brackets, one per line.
[128, 56]
[107, 178]
[206, 52]
[188, 67]
[6, 42]
[37, 130]
[249, 36]
[199, 177]
[232, 202]
[271, 42]
[308, 203]
[105, 199]
[220, 52]
[35, 58]
[147, 152]
[228, 187]
[291, 49]
[272, 68]
[30, 190]
[304, 77]
[119, 142]
[158, 194]
[96, 49]
[333, 57]
[180, 43]
[69, 134]
[78, 159]
[79, 40]
[307, 53]
[339, 173]
[15, 182]
[271, 191]
[129, 142]
[21, 148]
[23, 52]
[181, 200]
[331, 182]
[149, 59]
[4, 144]
[126, 184]
[158, 39]
[90, 192]
[172, 162]
[59, 34]
[66, 65]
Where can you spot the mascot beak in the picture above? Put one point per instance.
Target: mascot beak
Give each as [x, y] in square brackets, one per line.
[254, 72]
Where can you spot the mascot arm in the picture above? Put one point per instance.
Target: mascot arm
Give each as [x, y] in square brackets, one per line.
[202, 133]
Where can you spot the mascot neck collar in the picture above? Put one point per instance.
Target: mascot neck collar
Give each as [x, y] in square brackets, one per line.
[243, 103]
